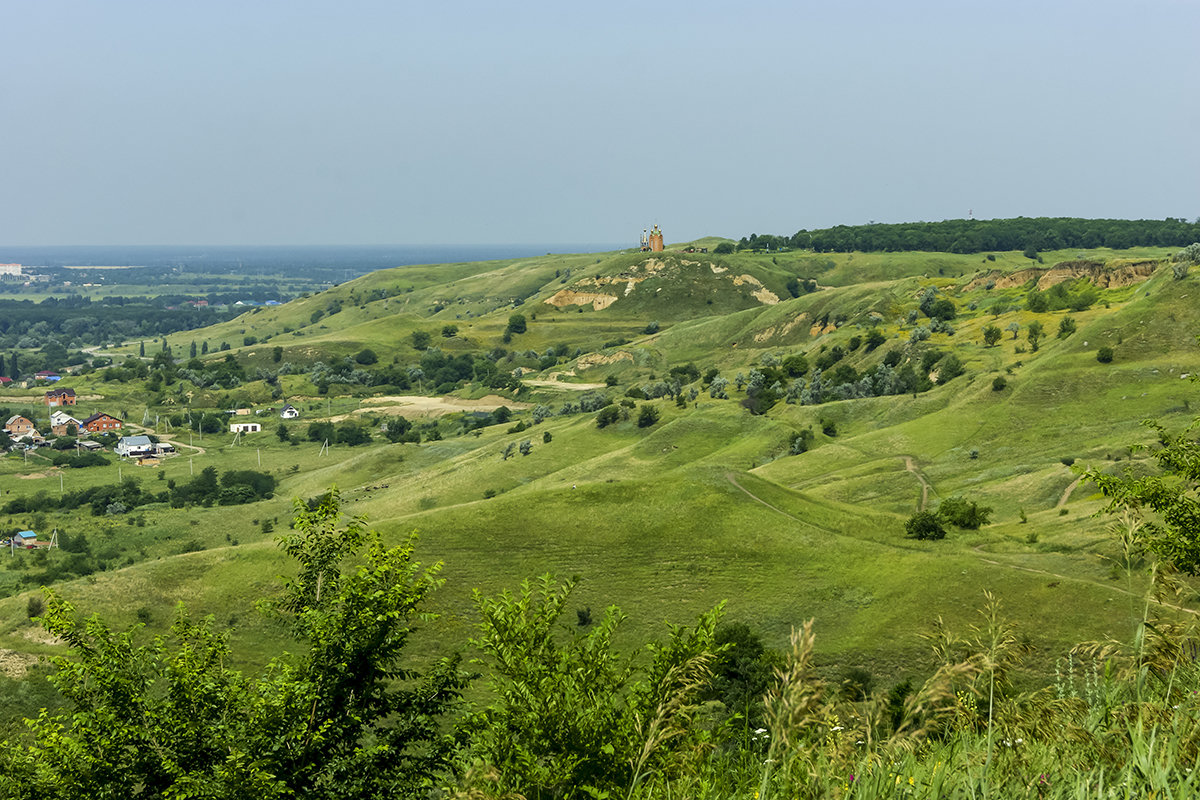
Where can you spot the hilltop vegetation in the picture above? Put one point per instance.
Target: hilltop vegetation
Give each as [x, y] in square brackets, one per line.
[1027, 235]
[677, 429]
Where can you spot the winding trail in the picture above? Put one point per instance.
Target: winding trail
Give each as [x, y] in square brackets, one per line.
[1062, 501]
[732, 478]
[911, 465]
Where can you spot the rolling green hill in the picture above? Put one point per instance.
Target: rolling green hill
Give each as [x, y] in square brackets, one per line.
[708, 503]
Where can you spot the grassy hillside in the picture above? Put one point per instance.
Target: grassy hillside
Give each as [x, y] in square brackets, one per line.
[703, 506]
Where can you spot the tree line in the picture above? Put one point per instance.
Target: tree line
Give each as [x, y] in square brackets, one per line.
[1031, 234]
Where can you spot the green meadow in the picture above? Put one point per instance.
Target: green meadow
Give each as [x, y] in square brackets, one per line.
[705, 506]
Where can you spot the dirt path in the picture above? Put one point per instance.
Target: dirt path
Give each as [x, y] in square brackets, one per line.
[433, 406]
[1062, 501]
[574, 387]
[911, 466]
[978, 552]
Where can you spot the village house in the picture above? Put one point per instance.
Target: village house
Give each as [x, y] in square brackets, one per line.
[60, 397]
[134, 446]
[18, 426]
[47, 375]
[101, 423]
[63, 424]
[289, 412]
[245, 427]
[5, 381]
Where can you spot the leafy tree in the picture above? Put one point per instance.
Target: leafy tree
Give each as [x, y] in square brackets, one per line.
[793, 286]
[723, 248]
[526, 447]
[963, 513]
[991, 335]
[647, 416]
[608, 416]
[924, 525]
[999, 384]
[420, 340]
[949, 368]
[449, 331]
[874, 339]
[516, 324]
[397, 429]
[353, 435]
[1066, 326]
[569, 711]
[282, 433]
[322, 432]
[366, 356]
[276, 353]
[1104, 355]
[1164, 507]
[1034, 332]
[1014, 327]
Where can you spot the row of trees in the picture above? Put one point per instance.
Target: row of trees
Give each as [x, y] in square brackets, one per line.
[977, 236]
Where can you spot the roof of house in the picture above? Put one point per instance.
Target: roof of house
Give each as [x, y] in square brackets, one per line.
[5, 379]
[16, 417]
[27, 534]
[97, 416]
[63, 391]
[62, 418]
[44, 373]
[135, 441]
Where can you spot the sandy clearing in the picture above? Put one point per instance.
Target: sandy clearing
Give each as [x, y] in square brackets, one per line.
[433, 406]
[14, 664]
[574, 387]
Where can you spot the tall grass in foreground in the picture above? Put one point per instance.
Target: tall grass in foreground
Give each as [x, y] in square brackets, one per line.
[1120, 721]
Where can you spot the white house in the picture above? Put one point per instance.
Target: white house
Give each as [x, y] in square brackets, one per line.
[245, 427]
[289, 412]
[60, 420]
[133, 446]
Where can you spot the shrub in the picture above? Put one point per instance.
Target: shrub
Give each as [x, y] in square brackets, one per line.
[607, 416]
[1066, 326]
[366, 356]
[647, 416]
[924, 525]
[723, 249]
[1104, 355]
[999, 384]
[963, 513]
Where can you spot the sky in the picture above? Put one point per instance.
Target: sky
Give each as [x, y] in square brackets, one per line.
[360, 122]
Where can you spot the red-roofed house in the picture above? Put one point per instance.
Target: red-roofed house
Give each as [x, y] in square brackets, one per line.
[101, 423]
[60, 397]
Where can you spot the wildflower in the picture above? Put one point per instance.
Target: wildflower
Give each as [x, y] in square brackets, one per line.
[852, 777]
[1020, 741]
[836, 728]
[912, 781]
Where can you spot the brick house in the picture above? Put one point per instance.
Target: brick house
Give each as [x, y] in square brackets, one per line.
[60, 397]
[61, 420]
[101, 423]
[18, 426]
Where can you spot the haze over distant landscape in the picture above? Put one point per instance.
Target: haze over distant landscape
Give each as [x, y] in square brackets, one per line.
[472, 123]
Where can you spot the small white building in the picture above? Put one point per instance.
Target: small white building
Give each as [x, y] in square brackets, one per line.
[134, 446]
[289, 412]
[245, 427]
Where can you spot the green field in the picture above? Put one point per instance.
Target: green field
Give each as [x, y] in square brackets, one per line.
[702, 507]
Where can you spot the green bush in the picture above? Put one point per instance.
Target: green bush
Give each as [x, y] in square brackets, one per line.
[924, 525]
[963, 513]
[1104, 355]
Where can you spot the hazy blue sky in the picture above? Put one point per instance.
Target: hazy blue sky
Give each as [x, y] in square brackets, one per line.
[261, 122]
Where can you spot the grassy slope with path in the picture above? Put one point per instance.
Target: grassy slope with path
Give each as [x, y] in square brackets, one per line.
[704, 506]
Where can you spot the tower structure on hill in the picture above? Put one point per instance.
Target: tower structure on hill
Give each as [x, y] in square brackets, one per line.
[656, 239]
